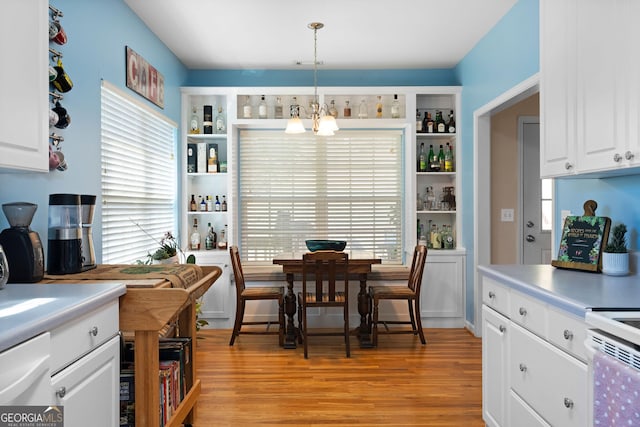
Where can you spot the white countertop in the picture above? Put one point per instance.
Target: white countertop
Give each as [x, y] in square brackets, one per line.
[28, 309]
[571, 290]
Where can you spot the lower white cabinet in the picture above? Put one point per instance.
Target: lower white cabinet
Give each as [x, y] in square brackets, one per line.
[442, 296]
[533, 367]
[218, 303]
[25, 373]
[89, 388]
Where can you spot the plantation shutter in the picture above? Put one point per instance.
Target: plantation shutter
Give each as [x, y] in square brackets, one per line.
[139, 178]
[345, 187]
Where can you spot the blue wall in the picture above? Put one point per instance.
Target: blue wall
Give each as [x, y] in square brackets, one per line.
[98, 31]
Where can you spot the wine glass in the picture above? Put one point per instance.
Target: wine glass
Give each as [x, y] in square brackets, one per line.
[4, 268]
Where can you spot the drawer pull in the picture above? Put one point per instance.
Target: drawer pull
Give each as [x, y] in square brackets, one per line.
[492, 295]
[568, 166]
[94, 331]
[523, 367]
[628, 155]
[502, 328]
[61, 392]
[522, 311]
[568, 403]
[617, 157]
[568, 335]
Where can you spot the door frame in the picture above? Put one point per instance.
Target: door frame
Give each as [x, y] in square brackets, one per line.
[482, 182]
[522, 120]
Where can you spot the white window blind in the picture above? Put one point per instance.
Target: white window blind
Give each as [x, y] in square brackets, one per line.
[139, 180]
[297, 187]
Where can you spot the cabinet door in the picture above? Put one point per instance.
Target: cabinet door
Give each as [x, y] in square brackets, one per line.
[494, 367]
[89, 389]
[25, 376]
[217, 302]
[557, 81]
[441, 295]
[24, 102]
[630, 13]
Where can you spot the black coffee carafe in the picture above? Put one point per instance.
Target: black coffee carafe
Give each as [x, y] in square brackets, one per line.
[64, 249]
[22, 246]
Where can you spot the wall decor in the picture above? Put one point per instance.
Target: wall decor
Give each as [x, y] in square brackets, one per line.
[143, 78]
[582, 240]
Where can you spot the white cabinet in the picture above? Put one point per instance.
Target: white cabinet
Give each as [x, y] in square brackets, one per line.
[442, 296]
[218, 302]
[533, 362]
[590, 86]
[89, 389]
[25, 377]
[23, 105]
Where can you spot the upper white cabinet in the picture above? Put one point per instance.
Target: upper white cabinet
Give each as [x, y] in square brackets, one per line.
[24, 43]
[590, 86]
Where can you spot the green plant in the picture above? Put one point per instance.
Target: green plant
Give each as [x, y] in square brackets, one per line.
[199, 322]
[617, 240]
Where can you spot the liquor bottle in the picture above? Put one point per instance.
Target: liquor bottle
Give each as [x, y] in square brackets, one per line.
[418, 122]
[221, 122]
[246, 108]
[223, 206]
[379, 107]
[222, 243]
[207, 119]
[347, 109]
[210, 240]
[441, 158]
[441, 126]
[195, 236]
[278, 110]
[451, 125]
[192, 204]
[362, 110]
[422, 159]
[422, 240]
[203, 205]
[209, 204]
[430, 124]
[448, 159]
[262, 108]
[395, 108]
[447, 238]
[333, 111]
[429, 159]
[434, 161]
[194, 122]
[212, 161]
[217, 205]
[294, 108]
[436, 239]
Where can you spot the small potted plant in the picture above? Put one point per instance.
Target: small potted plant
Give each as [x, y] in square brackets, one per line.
[615, 258]
[167, 253]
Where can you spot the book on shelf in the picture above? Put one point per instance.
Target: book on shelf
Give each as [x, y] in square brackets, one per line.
[127, 398]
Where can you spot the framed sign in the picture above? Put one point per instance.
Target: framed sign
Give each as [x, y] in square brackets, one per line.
[144, 79]
[582, 242]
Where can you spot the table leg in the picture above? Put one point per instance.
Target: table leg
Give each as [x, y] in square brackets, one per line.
[290, 310]
[364, 308]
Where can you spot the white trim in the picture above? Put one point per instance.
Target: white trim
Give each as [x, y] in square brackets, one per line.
[137, 102]
[482, 179]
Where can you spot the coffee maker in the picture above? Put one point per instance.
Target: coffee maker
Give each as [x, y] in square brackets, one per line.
[64, 248]
[22, 246]
[88, 203]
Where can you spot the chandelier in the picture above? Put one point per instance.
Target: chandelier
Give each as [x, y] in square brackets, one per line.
[323, 123]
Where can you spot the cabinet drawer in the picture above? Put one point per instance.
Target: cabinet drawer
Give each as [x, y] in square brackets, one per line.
[567, 332]
[521, 414]
[75, 338]
[528, 312]
[495, 295]
[549, 380]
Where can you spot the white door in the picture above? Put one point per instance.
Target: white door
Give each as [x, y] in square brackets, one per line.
[536, 198]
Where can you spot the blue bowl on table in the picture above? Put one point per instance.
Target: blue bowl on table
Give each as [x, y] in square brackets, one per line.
[326, 245]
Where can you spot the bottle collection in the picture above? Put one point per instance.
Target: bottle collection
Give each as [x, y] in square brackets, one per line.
[428, 124]
[207, 204]
[212, 121]
[211, 239]
[430, 201]
[272, 107]
[435, 161]
[436, 236]
[203, 157]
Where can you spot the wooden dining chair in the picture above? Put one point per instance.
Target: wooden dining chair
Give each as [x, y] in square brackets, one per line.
[410, 293]
[322, 273]
[244, 294]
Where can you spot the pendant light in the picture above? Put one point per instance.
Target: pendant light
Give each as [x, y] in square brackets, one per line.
[324, 124]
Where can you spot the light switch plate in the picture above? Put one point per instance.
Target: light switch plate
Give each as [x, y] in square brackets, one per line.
[506, 215]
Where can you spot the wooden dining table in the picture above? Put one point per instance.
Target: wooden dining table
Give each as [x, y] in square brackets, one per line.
[359, 268]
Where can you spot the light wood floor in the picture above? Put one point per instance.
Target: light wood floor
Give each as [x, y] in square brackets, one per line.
[401, 383]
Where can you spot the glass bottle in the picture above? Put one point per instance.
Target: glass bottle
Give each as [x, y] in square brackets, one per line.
[209, 204]
[218, 206]
[440, 125]
[194, 122]
[246, 109]
[223, 206]
[451, 125]
[429, 159]
[278, 110]
[195, 236]
[362, 110]
[448, 159]
[418, 122]
[379, 108]
[436, 239]
[203, 205]
[429, 125]
[192, 203]
[222, 243]
[347, 109]
[212, 161]
[262, 108]
[221, 122]
[441, 158]
[422, 240]
[447, 239]
[422, 159]
[294, 108]
[210, 240]
[395, 108]
[207, 119]
[333, 110]
[434, 162]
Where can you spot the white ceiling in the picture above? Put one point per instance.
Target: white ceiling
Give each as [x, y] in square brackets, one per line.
[358, 34]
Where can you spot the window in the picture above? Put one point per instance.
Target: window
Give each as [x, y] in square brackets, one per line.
[297, 187]
[139, 179]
